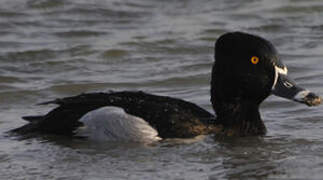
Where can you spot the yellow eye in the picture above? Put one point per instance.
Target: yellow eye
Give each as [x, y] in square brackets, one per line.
[254, 60]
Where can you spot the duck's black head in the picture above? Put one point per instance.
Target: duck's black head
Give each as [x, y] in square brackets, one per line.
[247, 69]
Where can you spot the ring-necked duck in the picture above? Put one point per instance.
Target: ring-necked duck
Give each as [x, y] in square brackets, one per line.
[247, 69]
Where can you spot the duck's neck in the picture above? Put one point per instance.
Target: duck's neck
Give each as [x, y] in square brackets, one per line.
[239, 118]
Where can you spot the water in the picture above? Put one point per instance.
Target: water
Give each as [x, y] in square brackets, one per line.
[57, 48]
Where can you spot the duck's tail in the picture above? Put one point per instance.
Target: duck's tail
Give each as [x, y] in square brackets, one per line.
[32, 118]
[31, 127]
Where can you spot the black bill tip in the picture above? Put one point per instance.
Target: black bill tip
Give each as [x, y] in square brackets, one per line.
[308, 98]
[312, 99]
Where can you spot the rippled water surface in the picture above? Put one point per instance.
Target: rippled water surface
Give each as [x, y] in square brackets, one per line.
[56, 48]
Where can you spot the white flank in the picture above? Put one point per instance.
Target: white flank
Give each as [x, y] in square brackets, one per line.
[114, 124]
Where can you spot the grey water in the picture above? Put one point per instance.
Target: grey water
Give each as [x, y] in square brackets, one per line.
[56, 48]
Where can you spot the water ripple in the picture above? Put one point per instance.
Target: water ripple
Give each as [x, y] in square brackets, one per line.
[50, 49]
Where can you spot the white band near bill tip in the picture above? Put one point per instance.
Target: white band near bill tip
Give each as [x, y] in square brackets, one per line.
[301, 95]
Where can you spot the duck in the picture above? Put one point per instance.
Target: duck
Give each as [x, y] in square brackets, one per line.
[246, 70]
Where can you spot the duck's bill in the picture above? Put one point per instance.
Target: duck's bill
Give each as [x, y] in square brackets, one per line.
[287, 88]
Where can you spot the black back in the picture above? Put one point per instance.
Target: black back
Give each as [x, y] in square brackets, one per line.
[171, 117]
